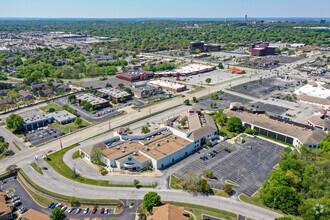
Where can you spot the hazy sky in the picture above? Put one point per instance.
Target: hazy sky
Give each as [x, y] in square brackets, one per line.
[164, 8]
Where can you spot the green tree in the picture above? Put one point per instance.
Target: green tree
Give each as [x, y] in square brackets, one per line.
[220, 66]
[2, 139]
[136, 183]
[190, 181]
[204, 187]
[122, 99]
[15, 122]
[228, 189]
[102, 170]
[72, 98]
[183, 123]
[208, 80]
[57, 214]
[251, 131]
[78, 121]
[96, 155]
[151, 200]
[13, 94]
[194, 99]
[234, 124]
[209, 143]
[284, 218]
[51, 110]
[145, 129]
[186, 102]
[73, 201]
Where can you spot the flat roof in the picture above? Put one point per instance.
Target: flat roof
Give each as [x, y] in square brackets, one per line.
[94, 100]
[36, 118]
[62, 115]
[113, 92]
[135, 73]
[166, 83]
[33, 214]
[157, 149]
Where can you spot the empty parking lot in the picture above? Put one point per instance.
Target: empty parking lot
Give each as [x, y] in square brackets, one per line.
[246, 166]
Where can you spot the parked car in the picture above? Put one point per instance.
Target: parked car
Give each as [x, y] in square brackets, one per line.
[105, 211]
[12, 196]
[53, 206]
[78, 210]
[15, 199]
[17, 203]
[102, 211]
[94, 210]
[23, 209]
[215, 152]
[86, 210]
[57, 205]
[64, 208]
[50, 205]
[70, 210]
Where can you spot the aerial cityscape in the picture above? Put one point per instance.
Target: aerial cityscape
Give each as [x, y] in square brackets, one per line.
[174, 110]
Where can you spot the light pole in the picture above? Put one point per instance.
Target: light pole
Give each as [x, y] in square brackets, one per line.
[274, 203]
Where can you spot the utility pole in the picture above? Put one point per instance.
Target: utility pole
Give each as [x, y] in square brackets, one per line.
[37, 161]
[61, 144]
[109, 125]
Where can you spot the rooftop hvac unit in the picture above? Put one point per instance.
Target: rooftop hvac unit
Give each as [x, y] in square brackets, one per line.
[124, 146]
[167, 140]
[174, 137]
[123, 151]
[147, 149]
[157, 144]
[135, 153]
[118, 148]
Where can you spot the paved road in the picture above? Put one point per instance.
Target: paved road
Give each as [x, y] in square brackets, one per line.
[72, 188]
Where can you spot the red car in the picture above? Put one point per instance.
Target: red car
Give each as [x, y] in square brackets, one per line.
[183, 96]
[102, 211]
[94, 210]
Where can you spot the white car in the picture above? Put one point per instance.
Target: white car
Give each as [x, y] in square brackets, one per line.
[86, 210]
[105, 211]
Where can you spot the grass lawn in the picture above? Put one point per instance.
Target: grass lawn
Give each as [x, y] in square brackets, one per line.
[231, 183]
[36, 168]
[66, 128]
[55, 160]
[219, 192]
[196, 89]
[76, 155]
[51, 105]
[230, 134]
[174, 182]
[255, 200]
[226, 145]
[198, 210]
[273, 139]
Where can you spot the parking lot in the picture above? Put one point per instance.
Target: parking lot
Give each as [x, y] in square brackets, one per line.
[27, 201]
[265, 86]
[273, 109]
[222, 101]
[41, 135]
[247, 165]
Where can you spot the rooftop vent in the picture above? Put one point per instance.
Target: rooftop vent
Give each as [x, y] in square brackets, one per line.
[174, 137]
[135, 153]
[123, 151]
[167, 140]
[157, 144]
[118, 148]
[124, 146]
[147, 149]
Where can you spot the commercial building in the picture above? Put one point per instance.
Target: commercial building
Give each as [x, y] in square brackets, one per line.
[199, 45]
[158, 149]
[93, 99]
[62, 117]
[115, 94]
[168, 85]
[134, 76]
[143, 90]
[236, 106]
[190, 69]
[261, 49]
[320, 120]
[286, 131]
[40, 120]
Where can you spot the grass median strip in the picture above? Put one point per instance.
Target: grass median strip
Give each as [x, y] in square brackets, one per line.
[55, 160]
[36, 168]
[60, 196]
[17, 146]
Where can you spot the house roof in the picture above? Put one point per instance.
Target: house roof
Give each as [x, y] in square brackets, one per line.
[32, 214]
[4, 208]
[194, 122]
[201, 132]
[167, 212]
[139, 158]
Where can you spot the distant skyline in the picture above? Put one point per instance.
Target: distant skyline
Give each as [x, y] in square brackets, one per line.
[163, 8]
